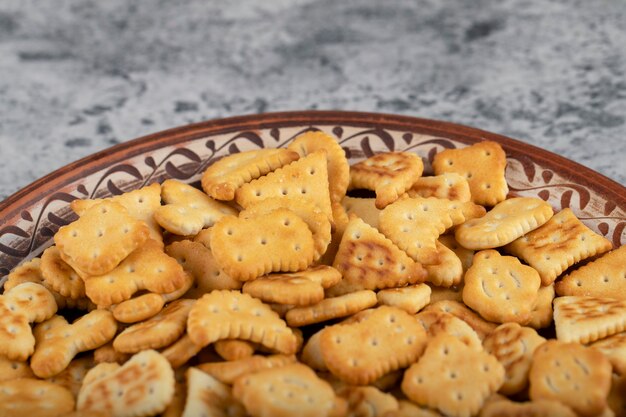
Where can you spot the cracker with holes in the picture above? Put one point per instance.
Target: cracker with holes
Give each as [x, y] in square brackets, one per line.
[58, 342]
[157, 332]
[72, 376]
[466, 256]
[558, 244]
[12, 369]
[513, 345]
[410, 299]
[604, 277]
[438, 322]
[290, 390]
[452, 377]
[141, 204]
[233, 349]
[504, 223]
[587, 319]
[33, 397]
[222, 178]
[147, 268]
[539, 408]
[450, 186]
[483, 166]
[448, 272]
[59, 276]
[272, 242]
[414, 224]
[226, 314]
[318, 222]
[188, 210]
[306, 177]
[386, 340]
[206, 396]
[338, 168]
[19, 307]
[143, 386]
[368, 401]
[294, 290]
[388, 174]
[500, 288]
[228, 372]
[180, 352]
[364, 208]
[481, 326]
[331, 308]
[614, 348]
[368, 260]
[101, 238]
[577, 376]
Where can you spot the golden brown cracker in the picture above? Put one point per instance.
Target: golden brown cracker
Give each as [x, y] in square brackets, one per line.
[294, 290]
[558, 244]
[443, 293]
[206, 396]
[482, 164]
[107, 354]
[234, 349]
[368, 401]
[437, 322]
[450, 186]
[539, 408]
[466, 256]
[228, 372]
[12, 369]
[138, 308]
[388, 174]
[72, 376]
[410, 299]
[448, 272]
[364, 208]
[33, 397]
[223, 177]
[617, 396]
[180, 352]
[614, 348]
[481, 326]
[541, 315]
[59, 276]
[586, 319]
[312, 352]
[331, 308]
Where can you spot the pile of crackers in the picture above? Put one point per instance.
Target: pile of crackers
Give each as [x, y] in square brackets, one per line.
[271, 292]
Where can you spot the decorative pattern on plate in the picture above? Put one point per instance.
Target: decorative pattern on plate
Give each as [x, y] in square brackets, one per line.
[25, 235]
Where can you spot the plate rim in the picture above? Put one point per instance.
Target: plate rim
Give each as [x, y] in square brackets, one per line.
[463, 133]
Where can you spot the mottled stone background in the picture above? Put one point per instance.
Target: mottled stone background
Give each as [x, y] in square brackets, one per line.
[78, 76]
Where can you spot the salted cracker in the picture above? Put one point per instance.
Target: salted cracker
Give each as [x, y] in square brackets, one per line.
[450, 186]
[138, 308]
[294, 290]
[365, 208]
[437, 322]
[408, 408]
[577, 376]
[500, 288]
[539, 408]
[180, 352]
[234, 349]
[107, 354]
[331, 308]
[558, 244]
[604, 277]
[466, 256]
[228, 372]
[452, 377]
[58, 342]
[504, 223]
[541, 315]
[143, 386]
[388, 174]
[33, 397]
[223, 177]
[614, 348]
[272, 242]
[101, 238]
[448, 272]
[368, 401]
[386, 340]
[206, 396]
[587, 319]
[483, 166]
[481, 326]
[59, 276]
[188, 210]
[312, 352]
[233, 315]
[72, 376]
[410, 299]
[12, 369]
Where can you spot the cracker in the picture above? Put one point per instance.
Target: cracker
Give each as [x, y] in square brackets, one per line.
[450, 186]
[138, 308]
[466, 256]
[541, 315]
[504, 223]
[331, 308]
[437, 322]
[101, 238]
[513, 345]
[159, 331]
[282, 242]
[539, 408]
[233, 349]
[147, 268]
[143, 386]
[617, 396]
[368, 401]
[449, 294]
[233, 315]
[587, 319]
[21, 305]
[181, 351]
[306, 177]
[410, 299]
[604, 277]
[223, 177]
[364, 208]
[72, 376]
[368, 260]
[483, 166]
[560, 243]
[32, 397]
[448, 271]
[188, 210]
[59, 276]
[386, 340]
[500, 288]
[481, 326]
[141, 204]
[577, 376]
[452, 377]
[409, 409]
[11, 369]
[107, 354]
[388, 174]
[228, 372]
[318, 222]
[57, 342]
[290, 390]
[206, 396]
[176, 407]
[312, 352]
[614, 348]
[414, 224]
[294, 290]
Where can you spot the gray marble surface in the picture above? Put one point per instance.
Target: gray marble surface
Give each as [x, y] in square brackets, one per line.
[77, 76]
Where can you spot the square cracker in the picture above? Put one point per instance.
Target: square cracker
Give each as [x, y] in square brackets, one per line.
[586, 319]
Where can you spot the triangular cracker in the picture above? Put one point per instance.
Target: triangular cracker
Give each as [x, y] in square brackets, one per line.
[586, 319]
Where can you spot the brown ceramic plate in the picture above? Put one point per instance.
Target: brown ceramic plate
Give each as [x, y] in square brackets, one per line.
[30, 217]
